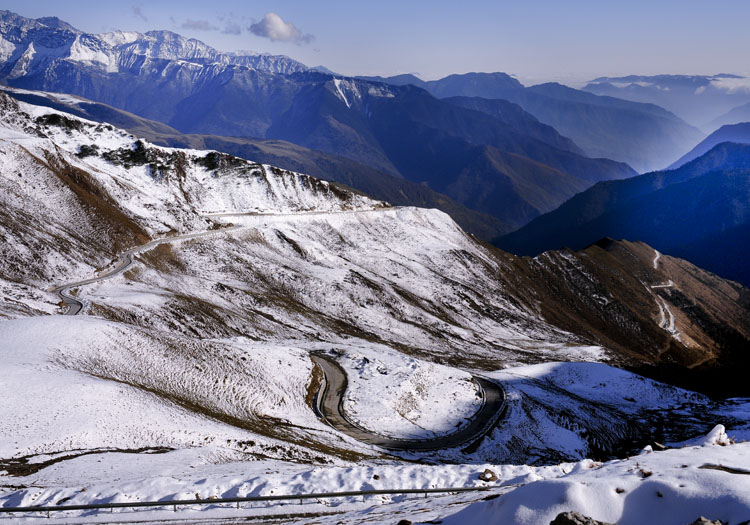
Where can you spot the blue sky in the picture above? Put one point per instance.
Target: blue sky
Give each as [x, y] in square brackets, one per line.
[537, 40]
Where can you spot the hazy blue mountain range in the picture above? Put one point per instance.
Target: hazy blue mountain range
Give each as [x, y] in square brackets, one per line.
[700, 211]
[475, 158]
[505, 164]
[397, 80]
[518, 119]
[645, 136]
[739, 133]
[698, 99]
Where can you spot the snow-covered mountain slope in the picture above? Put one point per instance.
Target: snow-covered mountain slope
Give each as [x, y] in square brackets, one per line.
[310, 263]
[405, 277]
[100, 385]
[76, 193]
[85, 426]
[200, 350]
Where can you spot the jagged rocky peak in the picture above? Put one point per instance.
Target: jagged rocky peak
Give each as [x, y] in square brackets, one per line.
[171, 46]
[19, 34]
[55, 23]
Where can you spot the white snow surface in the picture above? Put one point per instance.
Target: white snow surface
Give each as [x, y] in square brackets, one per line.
[603, 384]
[64, 362]
[672, 487]
[185, 475]
[81, 52]
[6, 49]
[337, 83]
[407, 398]
[119, 38]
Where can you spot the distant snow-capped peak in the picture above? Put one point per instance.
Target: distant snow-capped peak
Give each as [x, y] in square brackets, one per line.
[36, 43]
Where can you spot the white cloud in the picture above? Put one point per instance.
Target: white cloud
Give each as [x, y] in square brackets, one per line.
[732, 85]
[273, 27]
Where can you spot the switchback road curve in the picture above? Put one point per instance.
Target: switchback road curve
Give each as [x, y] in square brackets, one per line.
[329, 406]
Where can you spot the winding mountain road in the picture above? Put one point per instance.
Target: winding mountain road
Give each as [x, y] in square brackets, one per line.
[329, 406]
[125, 261]
[329, 400]
[666, 317]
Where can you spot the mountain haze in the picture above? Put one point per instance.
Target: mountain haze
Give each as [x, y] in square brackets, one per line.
[739, 133]
[698, 99]
[406, 131]
[734, 116]
[645, 136]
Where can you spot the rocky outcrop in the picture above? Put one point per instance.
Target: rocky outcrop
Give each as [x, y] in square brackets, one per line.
[574, 518]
